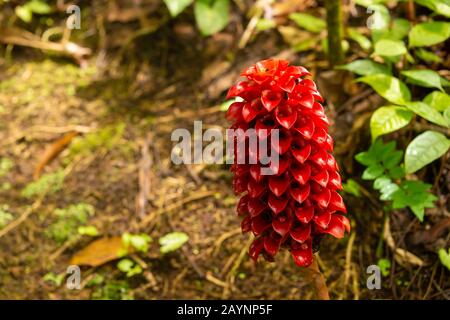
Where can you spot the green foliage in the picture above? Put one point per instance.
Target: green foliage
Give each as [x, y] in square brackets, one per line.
[47, 184]
[441, 7]
[106, 138]
[211, 15]
[439, 101]
[5, 215]
[366, 67]
[427, 112]
[427, 56]
[25, 12]
[308, 22]
[113, 290]
[359, 38]
[172, 241]
[5, 166]
[177, 6]
[389, 119]
[68, 220]
[383, 163]
[444, 256]
[389, 48]
[429, 33]
[56, 279]
[352, 187]
[139, 242]
[424, 78]
[390, 88]
[129, 267]
[385, 266]
[424, 149]
[88, 231]
[415, 195]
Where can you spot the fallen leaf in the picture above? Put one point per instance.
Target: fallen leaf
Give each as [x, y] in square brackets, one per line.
[53, 151]
[99, 252]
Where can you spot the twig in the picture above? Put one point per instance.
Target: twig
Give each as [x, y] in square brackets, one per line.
[348, 262]
[22, 218]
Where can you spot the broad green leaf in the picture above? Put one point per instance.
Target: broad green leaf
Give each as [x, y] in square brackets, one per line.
[429, 33]
[389, 48]
[211, 15]
[441, 7]
[359, 38]
[172, 241]
[177, 6]
[389, 119]
[367, 3]
[140, 242]
[427, 56]
[24, 13]
[308, 22]
[39, 7]
[400, 29]
[424, 78]
[438, 100]
[378, 21]
[365, 67]
[390, 88]
[365, 158]
[392, 159]
[447, 116]
[381, 182]
[444, 256]
[424, 149]
[427, 112]
[388, 190]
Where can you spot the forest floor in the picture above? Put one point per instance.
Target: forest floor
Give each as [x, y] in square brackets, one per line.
[132, 185]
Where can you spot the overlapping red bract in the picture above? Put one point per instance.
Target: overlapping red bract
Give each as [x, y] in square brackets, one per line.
[300, 203]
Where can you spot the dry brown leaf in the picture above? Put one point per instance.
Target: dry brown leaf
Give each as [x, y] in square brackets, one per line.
[53, 151]
[99, 252]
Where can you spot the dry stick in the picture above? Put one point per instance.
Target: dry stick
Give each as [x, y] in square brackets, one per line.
[319, 282]
[22, 218]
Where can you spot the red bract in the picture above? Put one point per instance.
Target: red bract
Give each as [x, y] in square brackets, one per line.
[296, 206]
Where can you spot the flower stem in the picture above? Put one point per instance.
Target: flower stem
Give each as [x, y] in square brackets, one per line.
[319, 282]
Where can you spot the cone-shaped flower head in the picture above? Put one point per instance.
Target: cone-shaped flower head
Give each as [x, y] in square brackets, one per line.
[299, 202]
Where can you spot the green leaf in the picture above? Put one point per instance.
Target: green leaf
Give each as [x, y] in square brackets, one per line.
[365, 158]
[447, 115]
[211, 15]
[359, 38]
[177, 6]
[424, 149]
[140, 242]
[388, 190]
[389, 48]
[265, 24]
[424, 78]
[308, 22]
[429, 33]
[226, 104]
[365, 67]
[381, 182]
[444, 256]
[427, 112]
[390, 88]
[352, 187]
[441, 7]
[415, 195]
[397, 172]
[39, 7]
[400, 29]
[378, 22]
[392, 159]
[389, 119]
[385, 266]
[373, 172]
[47, 184]
[172, 241]
[129, 267]
[24, 13]
[88, 231]
[427, 56]
[438, 100]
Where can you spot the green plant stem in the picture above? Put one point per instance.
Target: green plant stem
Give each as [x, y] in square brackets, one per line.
[335, 31]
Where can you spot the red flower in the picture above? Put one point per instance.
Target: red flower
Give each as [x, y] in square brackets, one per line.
[294, 207]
